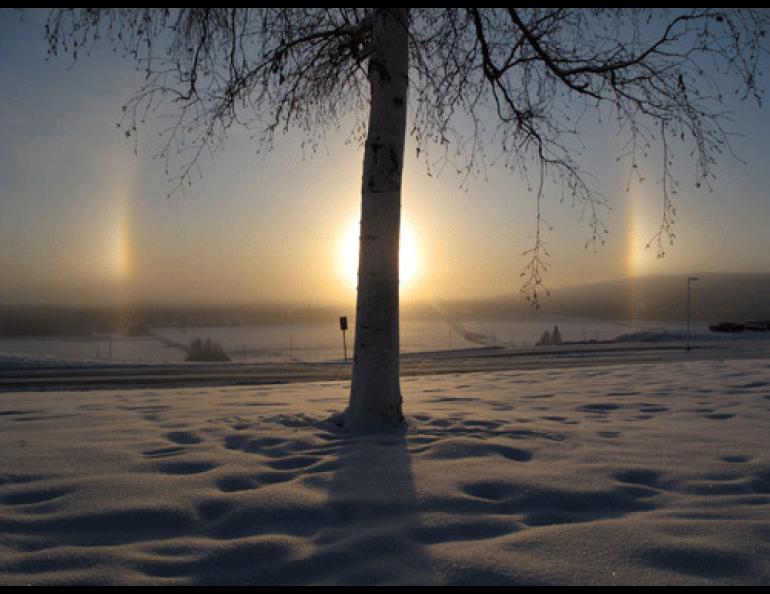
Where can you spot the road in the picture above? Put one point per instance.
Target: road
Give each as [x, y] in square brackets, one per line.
[131, 376]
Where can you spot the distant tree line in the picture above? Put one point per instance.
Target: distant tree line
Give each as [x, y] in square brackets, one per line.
[17, 321]
[717, 298]
[24, 321]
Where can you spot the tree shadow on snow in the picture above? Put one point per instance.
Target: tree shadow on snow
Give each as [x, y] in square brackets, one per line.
[373, 513]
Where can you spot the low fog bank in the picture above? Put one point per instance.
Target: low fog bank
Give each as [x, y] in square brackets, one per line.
[715, 298]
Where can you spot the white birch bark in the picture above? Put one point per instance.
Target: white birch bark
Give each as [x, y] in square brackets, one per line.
[375, 395]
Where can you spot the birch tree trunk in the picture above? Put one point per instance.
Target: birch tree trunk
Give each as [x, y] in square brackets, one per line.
[375, 395]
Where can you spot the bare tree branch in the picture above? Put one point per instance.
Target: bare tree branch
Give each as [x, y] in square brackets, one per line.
[488, 86]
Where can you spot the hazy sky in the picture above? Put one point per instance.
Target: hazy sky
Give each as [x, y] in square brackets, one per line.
[84, 219]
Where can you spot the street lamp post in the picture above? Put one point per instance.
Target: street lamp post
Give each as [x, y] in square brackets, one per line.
[689, 284]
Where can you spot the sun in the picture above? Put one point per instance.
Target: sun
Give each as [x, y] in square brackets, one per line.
[409, 255]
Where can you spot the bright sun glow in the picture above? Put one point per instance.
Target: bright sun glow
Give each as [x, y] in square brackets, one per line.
[409, 255]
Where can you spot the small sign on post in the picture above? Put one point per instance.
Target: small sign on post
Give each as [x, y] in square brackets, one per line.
[344, 327]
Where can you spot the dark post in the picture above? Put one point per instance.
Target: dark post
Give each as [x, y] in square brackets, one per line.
[344, 327]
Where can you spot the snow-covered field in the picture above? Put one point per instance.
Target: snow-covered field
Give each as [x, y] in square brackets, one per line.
[624, 474]
[312, 342]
